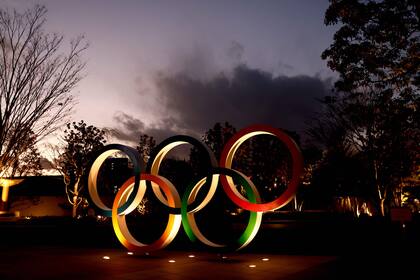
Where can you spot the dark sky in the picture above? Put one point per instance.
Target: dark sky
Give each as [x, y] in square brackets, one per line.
[168, 67]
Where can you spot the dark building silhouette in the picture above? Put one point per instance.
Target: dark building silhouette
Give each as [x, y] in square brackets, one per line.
[39, 196]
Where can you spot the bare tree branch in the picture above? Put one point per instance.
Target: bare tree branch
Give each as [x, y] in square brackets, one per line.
[35, 80]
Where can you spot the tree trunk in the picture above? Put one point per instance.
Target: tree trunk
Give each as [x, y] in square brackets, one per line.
[75, 198]
[297, 207]
[74, 212]
[382, 206]
[381, 195]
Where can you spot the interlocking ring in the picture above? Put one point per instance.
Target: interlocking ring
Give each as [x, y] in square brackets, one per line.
[182, 211]
[227, 158]
[188, 219]
[118, 219]
[103, 154]
[160, 152]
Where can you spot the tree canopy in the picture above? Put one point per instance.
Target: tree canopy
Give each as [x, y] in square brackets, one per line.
[377, 45]
[81, 141]
[374, 111]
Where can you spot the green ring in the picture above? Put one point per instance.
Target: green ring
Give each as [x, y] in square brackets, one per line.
[254, 221]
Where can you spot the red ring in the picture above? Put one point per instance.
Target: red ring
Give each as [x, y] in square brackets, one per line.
[297, 165]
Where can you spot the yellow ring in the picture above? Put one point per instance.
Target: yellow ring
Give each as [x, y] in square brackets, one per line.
[119, 222]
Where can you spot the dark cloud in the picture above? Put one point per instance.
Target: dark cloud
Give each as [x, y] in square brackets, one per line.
[46, 164]
[129, 128]
[246, 97]
[284, 67]
[198, 62]
[235, 52]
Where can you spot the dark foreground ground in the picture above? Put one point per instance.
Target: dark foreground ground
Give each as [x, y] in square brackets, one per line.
[322, 248]
[89, 263]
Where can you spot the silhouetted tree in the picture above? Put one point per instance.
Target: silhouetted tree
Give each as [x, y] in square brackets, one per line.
[307, 194]
[376, 51]
[216, 137]
[81, 144]
[29, 161]
[145, 146]
[35, 81]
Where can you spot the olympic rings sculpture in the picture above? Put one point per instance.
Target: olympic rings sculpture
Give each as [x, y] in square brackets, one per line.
[182, 210]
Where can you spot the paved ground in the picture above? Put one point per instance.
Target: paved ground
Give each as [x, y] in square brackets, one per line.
[88, 263]
[91, 263]
[333, 249]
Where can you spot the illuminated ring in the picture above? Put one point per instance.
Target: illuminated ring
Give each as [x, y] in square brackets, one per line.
[227, 158]
[119, 222]
[103, 154]
[188, 219]
[163, 149]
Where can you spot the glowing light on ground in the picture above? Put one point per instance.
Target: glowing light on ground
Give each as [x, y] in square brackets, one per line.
[265, 259]
[106, 257]
[191, 256]
[252, 266]
[171, 261]
[130, 253]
